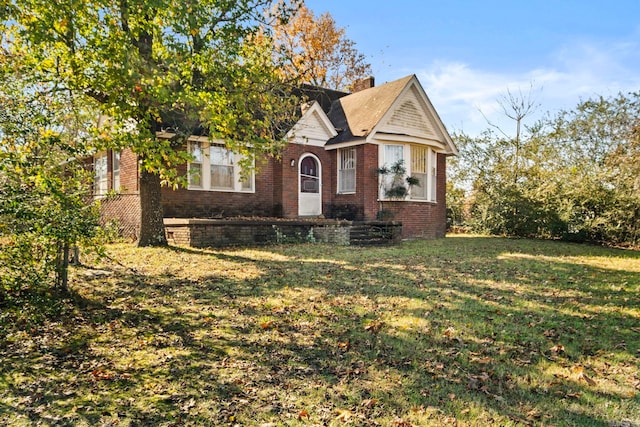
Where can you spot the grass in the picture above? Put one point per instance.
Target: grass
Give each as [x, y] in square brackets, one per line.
[466, 330]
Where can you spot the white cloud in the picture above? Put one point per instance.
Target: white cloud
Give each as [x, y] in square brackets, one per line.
[574, 72]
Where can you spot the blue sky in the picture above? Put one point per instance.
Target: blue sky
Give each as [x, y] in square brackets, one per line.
[467, 54]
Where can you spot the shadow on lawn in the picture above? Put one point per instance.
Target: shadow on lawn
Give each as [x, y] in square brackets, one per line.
[392, 333]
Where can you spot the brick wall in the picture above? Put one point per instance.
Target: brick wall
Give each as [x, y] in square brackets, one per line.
[128, 171]
[216, 233]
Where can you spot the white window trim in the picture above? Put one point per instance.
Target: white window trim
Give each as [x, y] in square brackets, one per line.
[432, 174]
[205, 171]
[116, 178]
[355, 170]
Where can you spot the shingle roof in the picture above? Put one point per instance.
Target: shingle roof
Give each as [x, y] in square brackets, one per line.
[355, 115]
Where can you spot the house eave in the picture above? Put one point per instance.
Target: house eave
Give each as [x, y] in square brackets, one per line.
[379, 138]
[345, 144]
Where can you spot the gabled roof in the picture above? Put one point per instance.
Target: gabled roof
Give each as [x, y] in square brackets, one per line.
[393, 110]
[314, 127]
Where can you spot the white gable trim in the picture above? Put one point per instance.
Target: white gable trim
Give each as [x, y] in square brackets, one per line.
[382, 138]
[313, 128]
[344, 144]
[442, 137]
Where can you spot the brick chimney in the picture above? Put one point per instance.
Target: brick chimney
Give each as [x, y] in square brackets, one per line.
[362, 84]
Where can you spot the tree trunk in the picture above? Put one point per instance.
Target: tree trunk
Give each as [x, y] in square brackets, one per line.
[151, 215]
[62, 267]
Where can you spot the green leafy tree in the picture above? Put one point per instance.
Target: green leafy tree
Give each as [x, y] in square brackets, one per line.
[44, 205]
[153, 64]
[571, 176]
[598, 166]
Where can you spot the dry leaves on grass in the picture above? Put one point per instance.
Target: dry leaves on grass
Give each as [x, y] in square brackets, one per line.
[374, 326]
[581, 376]
[343, 415]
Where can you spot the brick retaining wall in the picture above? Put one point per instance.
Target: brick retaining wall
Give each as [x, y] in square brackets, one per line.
[200, 233]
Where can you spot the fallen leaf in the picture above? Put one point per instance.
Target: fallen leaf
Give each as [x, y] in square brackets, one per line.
[585, 378]
[303, 415]
[557, 349]
[399, 422]
[343, 415]
[534, 414]
[268, 324]
[344, 345]
[374, 326]
[369, 403]
[449, 332]
[482, 360]
[100, 374]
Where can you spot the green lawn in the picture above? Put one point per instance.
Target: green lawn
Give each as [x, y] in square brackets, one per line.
[465, 330]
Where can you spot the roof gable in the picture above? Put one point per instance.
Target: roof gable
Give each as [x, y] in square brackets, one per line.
[363, 110]
[400, 108]
[314, 127]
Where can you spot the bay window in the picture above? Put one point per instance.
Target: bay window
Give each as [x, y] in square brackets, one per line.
[419, 162]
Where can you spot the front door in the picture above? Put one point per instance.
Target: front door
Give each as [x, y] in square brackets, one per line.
[310, 186]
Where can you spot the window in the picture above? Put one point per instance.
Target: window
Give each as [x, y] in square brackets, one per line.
[392, 155]
[433, 164]
[422, 164]
[309, 177]
[224, 172]
[195, 166]
[419, 168]
[221, 161]
[115, 171]
[347, 170]
[101, 183]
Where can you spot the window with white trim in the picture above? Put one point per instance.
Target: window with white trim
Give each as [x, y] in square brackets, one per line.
[222, 166]
[420, 162]
[195, 166]
[419, 170]
[392, 155]
[433, 165]
[101, 182]
[115, 170]
[347, 170]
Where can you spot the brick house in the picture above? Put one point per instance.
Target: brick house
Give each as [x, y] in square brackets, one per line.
[328, 169]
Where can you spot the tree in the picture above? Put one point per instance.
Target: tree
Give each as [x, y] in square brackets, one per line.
[599, 166]
[43, 187]
[319, 52]
[572, 176]
[507, 174]
[153, 64]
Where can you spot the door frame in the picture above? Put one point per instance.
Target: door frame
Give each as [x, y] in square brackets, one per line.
[305, 198]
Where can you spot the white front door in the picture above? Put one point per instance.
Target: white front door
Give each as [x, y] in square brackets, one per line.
[309, 186]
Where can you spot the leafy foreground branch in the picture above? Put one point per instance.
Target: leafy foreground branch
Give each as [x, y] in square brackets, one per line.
[460, 331]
